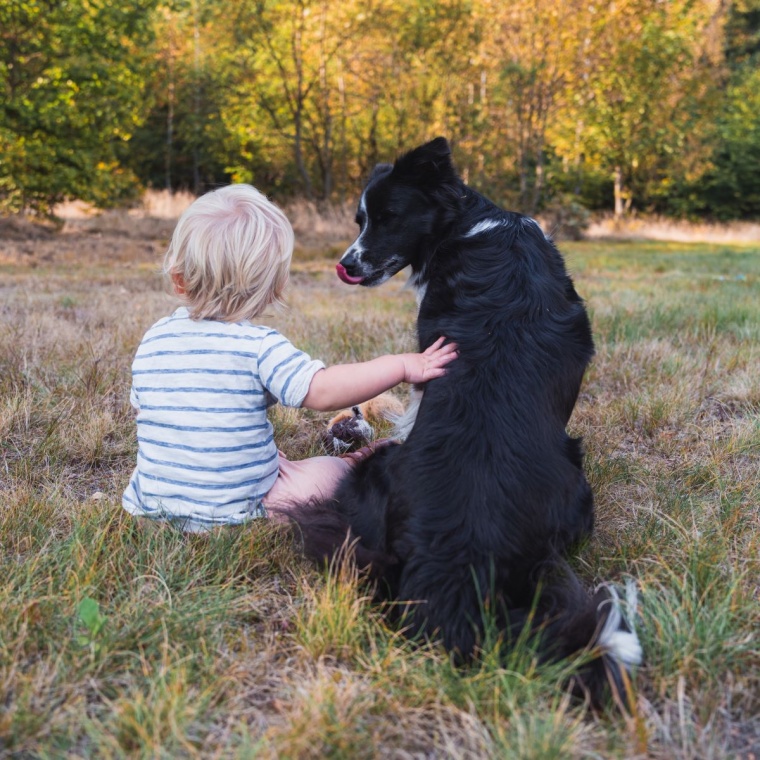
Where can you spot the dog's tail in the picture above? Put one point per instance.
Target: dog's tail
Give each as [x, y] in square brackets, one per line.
[601, 628]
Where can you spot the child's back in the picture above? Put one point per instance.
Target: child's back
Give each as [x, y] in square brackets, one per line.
[206, 449]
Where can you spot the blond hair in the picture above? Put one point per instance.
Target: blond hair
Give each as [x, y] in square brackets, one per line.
[231, 250]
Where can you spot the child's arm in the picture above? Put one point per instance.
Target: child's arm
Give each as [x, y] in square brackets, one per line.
[348, 384]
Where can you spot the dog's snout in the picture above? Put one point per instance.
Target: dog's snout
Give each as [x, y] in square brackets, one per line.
[349, 258]
[349, 268]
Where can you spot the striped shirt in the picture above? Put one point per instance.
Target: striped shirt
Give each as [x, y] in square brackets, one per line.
[206, 453]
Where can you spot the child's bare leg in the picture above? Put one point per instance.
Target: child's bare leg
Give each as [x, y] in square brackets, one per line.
[316, 478]
[304, 480]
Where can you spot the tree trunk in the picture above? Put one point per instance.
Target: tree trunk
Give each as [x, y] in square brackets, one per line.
[343, 178]
[169, 145]
[196, 102]
[327, 159]
[619, 210]
[298, 154]
[538, 187]
[523, 181]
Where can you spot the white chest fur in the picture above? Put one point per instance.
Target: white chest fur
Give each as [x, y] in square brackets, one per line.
[404, 424]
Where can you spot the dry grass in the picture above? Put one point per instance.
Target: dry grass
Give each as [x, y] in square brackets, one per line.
[116, 641]
[673, 230]
[322, 228]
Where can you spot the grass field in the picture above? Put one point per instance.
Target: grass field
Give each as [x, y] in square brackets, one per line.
[117, 642]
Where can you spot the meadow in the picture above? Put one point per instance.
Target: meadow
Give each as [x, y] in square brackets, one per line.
[118, 642]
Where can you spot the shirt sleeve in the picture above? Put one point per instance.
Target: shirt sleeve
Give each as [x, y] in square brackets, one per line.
[285, 371]
[133, 398]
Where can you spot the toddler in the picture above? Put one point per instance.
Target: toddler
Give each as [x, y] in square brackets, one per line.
[204, 377]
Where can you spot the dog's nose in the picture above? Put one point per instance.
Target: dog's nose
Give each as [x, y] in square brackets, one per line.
[348, 259]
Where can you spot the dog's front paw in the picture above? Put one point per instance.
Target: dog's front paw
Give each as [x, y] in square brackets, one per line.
[348, 431]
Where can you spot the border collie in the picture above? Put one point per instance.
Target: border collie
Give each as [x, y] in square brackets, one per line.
[476, 509]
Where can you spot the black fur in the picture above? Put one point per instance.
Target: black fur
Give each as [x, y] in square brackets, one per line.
[487, 493]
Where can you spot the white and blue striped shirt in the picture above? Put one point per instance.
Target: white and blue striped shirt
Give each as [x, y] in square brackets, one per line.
[206, 452]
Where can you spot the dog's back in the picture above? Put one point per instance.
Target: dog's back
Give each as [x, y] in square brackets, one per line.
[477, 506]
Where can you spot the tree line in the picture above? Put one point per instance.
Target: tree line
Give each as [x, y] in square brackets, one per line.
[647, 105]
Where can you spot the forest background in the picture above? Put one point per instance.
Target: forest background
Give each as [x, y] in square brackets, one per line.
[624, 106]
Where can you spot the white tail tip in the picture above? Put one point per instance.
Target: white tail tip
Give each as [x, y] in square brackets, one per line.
[615, 638]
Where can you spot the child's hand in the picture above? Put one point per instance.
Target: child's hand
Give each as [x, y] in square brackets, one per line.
[419, 368]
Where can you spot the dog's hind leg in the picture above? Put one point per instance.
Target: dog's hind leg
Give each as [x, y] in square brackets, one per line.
[450, 601]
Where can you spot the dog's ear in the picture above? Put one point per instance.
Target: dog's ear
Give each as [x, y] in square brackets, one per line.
[437, 147]
[379, 170]
[429, 163]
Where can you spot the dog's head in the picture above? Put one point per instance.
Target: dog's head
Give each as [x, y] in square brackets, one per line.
[400, 214]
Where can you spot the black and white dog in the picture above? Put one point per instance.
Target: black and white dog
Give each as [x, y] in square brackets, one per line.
[476, 508]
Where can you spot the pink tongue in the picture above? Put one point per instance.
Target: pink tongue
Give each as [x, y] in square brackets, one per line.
[345, 276]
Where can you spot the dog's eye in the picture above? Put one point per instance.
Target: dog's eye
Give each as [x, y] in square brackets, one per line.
[385, 216]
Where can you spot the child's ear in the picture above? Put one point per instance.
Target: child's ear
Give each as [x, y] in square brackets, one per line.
[179, 283]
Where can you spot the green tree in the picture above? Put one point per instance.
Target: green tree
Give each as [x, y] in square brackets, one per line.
[742, 34]
[643, 114]
[730, 188]
[324, 91]
[285, 55]
[532, 57]
[72, 86]
[183, 142]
